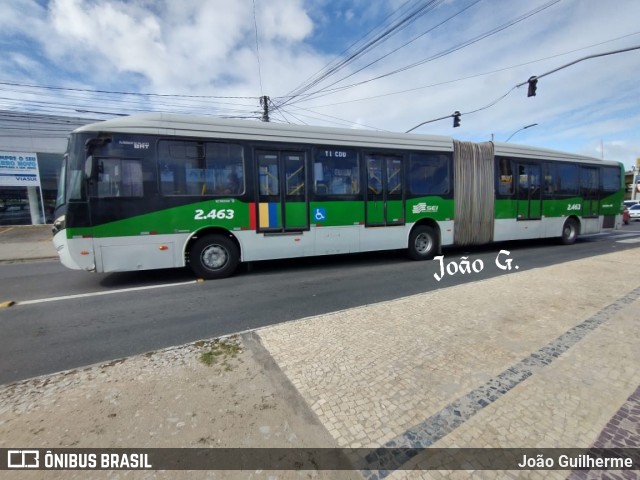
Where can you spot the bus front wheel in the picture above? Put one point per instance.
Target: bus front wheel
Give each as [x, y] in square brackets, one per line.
[569, 232]
[214, 256]
[423, 243]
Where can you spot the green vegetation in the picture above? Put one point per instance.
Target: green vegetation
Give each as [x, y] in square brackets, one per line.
[219, 352]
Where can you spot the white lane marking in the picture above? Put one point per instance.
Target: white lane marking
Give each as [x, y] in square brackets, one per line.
[623, 235]
[108, 292]
[629, 240]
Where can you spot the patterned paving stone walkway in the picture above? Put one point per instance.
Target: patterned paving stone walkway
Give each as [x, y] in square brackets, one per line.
[537, 359]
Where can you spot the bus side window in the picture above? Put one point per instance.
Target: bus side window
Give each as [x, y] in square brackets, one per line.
[167, 179]
[549, 177]
[294, 175]
[336, 172]
[200, 169]
[429, 174]
[567, 183]
[224, 169]
[505, 177]
[418, 179]
[120, 178]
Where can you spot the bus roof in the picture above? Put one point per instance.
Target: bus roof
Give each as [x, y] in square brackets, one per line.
[212, 127]
[523, 151]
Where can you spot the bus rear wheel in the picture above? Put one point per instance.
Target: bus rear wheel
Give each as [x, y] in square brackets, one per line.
[569, 232]
[423, 243]
[214, 256]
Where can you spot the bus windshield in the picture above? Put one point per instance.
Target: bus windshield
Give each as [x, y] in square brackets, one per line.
[61, 197]
[72, 171]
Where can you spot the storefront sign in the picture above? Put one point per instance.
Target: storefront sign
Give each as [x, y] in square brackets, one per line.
[19, 170]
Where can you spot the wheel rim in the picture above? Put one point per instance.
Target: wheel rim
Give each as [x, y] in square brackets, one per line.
[569, 232]
[423, 243]
[214, 257]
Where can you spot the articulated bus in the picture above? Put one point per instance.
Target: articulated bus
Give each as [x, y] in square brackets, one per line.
[160, 191]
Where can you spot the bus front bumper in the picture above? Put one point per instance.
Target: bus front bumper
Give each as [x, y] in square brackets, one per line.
[75, 253]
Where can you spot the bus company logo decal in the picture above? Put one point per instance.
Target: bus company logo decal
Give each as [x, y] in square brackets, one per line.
[136, 145]
[423, 207]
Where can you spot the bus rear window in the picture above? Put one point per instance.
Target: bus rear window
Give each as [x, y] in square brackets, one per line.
[610, 179]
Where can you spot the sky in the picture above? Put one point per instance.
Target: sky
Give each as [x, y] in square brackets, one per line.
[377, 64]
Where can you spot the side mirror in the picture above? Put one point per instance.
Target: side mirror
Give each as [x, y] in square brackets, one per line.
[88, 168]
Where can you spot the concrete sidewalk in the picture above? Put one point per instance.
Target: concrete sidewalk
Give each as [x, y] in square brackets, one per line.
[32, 242]
[542, 358]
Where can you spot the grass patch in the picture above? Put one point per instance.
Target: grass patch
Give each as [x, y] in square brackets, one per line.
[219, 352]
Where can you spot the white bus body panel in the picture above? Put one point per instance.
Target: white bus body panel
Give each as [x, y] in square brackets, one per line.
[69, 250]
[145, 252]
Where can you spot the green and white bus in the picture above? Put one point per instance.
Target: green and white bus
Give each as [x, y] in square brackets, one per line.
[160, 191]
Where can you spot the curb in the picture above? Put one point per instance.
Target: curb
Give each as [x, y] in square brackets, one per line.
[27, 259]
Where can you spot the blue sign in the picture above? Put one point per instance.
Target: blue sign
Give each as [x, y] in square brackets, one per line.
[319, 214]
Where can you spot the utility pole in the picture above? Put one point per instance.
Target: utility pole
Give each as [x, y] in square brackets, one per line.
[264, 103]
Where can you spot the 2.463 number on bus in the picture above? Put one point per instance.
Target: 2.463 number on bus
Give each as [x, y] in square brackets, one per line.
[223, 214]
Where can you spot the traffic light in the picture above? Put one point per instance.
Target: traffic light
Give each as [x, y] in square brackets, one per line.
[533, 85]
[456, 119]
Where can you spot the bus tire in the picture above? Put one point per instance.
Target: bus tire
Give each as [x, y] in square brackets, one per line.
[423, 243]
[570, 232]
[214, 256]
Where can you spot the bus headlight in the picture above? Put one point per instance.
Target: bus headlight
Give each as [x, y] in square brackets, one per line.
[59, 224]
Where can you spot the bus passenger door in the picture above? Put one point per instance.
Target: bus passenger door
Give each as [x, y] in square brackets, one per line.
[282, 192]
[590, 191]
[529, 192]
[385, 191]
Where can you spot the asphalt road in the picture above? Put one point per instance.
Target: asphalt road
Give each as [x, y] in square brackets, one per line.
[67, 319]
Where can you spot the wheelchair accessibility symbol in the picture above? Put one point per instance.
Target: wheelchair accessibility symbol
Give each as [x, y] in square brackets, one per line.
[320, 214]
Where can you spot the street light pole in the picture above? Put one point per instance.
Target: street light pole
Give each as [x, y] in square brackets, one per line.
[523, 128]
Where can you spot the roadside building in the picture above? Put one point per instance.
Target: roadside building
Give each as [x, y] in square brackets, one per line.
[31, 151]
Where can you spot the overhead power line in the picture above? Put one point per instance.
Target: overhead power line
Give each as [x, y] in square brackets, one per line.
[396, 26]
[460, 12]
[72, 101]
[476, 39]
[255, 25]
[140, 94]
[468, 77]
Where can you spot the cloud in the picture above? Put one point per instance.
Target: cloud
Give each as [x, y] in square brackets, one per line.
[199, 47]
[122, 34]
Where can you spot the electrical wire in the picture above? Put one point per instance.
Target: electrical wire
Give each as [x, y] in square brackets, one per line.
[396, 26]
[255, 25]
[460, 12]
[476, 39]
[468, 77]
